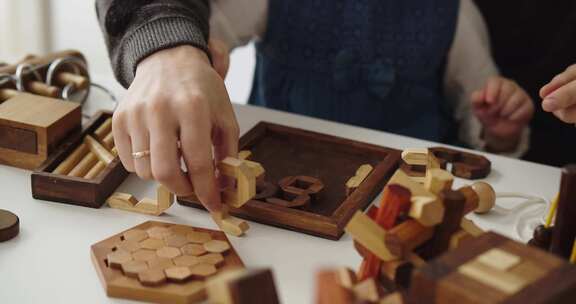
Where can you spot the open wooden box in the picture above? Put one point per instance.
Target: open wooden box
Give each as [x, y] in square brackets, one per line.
[77, 190]
[285, 151]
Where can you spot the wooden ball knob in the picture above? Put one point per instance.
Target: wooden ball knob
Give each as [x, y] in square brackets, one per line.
[486, 196]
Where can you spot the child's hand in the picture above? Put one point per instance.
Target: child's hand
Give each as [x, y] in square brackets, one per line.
[559, 96]
[504, 109]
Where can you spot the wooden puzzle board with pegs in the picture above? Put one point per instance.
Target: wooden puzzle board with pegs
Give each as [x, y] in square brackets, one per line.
[284, 151]
[162, 262]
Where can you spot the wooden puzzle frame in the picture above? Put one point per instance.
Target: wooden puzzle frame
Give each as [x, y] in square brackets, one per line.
[332, 226]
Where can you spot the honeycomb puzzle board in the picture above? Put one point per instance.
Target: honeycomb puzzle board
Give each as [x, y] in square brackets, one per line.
[162, 262]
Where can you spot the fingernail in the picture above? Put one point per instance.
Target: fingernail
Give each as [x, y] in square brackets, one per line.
[550, 104]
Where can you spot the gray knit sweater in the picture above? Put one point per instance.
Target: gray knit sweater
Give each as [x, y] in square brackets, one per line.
[134, 29]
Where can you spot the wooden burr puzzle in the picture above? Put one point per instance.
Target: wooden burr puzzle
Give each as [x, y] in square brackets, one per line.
[85, 171]
[304, 187]
[163, 263]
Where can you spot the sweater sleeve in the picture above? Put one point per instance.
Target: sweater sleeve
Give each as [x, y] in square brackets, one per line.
[470, 65]
[135, 29]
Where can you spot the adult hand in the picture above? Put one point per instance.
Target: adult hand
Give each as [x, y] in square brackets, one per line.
[504, 109]
[177, 96]
[559, 96]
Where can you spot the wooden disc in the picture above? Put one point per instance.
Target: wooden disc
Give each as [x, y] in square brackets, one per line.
[9, 225]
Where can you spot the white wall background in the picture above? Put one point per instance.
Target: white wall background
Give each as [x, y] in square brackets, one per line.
[72, 24]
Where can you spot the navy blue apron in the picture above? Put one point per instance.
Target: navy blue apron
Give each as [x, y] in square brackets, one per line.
[372, 63]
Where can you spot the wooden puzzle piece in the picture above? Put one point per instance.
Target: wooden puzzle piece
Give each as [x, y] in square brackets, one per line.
[470, 227]
[425, 207]
[245, 181]
[415, 156]
[265, 190]
[366, 232]
[438, 180]
[128, 202]
[300, 186]
[330, 291]
[98, 149]
[464, 164]
[242, 287]
[355, 181]
[486, 197]
[407, 236]
[244, 154]
[229, 224]
[367, 290]
[500, 280]
[9, 225]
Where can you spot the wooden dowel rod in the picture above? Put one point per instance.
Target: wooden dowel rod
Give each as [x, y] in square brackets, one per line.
[72, 160]
[97, 169]
[564, 226]
[87, 162]
[104, 129]
[79, 81]
[108, 141]
[43, 89]
[7, 94]
[98, 149]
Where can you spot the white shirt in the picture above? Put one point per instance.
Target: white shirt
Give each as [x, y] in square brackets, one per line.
[469, 62]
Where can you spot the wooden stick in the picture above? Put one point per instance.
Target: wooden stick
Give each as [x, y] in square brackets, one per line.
[43, 89]
[72, 160]
[104, 129]
[100, 151]
[87, 162]
[108, 141]
[79, 81]
[7, 94]
[92, 173]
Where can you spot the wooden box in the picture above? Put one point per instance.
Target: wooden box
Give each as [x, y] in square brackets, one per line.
[77, 190]
[494, 269]
[285, 151]
[32, 127]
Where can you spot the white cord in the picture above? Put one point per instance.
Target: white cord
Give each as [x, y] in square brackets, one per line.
[523, 220]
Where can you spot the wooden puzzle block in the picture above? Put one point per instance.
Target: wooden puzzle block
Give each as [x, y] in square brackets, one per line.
[470, 227]
[415, 156]
[464, 276]
[438, 180]
[564, 226]
[366, 232]
[229, 224]
[99, 150]
[355, 181]
[407, 236]
[32, 127]
[367, 290]
[454, 211]
[164, 197]
[330, 291]
[149, 206]
[121, 200]
[9, 225]
[285, 151]
[82, 181]
[460, 238]
[245, 181]
[464, 164]
[301, 186]
[154, 275]
[243, 287]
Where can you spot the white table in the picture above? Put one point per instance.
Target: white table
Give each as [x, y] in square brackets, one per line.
[50, 260]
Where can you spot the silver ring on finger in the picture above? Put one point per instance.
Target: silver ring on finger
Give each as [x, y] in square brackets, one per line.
[141, 154]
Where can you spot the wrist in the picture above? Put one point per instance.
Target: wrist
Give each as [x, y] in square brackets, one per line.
[175, 55]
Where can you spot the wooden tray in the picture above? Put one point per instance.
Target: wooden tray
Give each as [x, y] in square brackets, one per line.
[76, 190]
[285, 151]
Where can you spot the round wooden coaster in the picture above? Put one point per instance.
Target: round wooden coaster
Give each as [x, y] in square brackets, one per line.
[9, 225]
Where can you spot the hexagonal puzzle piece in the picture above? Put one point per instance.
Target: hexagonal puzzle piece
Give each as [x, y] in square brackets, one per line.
[193, 249]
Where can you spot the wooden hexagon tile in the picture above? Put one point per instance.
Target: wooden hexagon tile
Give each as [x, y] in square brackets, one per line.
[161, 262]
